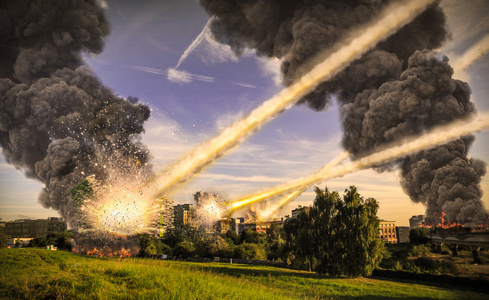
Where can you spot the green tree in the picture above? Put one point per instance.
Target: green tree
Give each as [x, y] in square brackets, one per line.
[250, 251]
[231, 235]
[418, 236]
[186, 232]
[299, 242]
[3, 239]
[216, 246]
[337, 236]
[252, 237]
[184, 249]
[62, 240]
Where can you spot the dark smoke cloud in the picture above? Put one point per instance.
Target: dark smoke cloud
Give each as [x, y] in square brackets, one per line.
[58, 123]
[401, 87]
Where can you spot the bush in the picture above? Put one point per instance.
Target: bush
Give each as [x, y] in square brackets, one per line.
[418, 236]
[420, 250]
[184, 249]
[250, 251]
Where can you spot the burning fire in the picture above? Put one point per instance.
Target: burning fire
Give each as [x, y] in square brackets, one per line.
[442, 223]
[110, 252]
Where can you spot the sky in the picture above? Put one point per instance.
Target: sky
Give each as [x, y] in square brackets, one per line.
[213, 88]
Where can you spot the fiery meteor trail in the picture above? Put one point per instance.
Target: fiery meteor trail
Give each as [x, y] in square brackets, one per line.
[233, 205]
[265, 214]
[476, 52]
[393, 19]
[437, 136]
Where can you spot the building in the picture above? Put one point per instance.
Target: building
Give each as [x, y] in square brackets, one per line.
[260, 227]
[27, 228]
[296, 212]
[240, 226]
[167, 216]
[402, 234]
[229, 224]
[223, 226]
[19, 242]
[387, 231]
[235, 225]
[415, 221]
[184, 214]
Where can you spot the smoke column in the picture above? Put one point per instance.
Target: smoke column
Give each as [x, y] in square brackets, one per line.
[58, 123]
[397, 89]
[394, 18]
[426, 142]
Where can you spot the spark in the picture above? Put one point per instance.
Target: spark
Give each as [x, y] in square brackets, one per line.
[437, 136]
[395, 17]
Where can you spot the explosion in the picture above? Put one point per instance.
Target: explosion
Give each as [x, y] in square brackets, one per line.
[58, 122]
[210, 208]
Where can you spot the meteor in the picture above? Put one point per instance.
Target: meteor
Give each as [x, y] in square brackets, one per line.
[233, 205]
[393, 19]
[437, 136]
[265, 214]
[476, 52]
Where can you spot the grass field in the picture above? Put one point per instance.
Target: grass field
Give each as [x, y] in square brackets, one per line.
[42, 274]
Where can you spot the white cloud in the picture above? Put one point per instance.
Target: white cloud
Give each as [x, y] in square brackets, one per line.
[271, 67]
[213, 52]
[179, 76]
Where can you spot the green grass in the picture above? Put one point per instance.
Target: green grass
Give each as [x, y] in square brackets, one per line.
[42, 274]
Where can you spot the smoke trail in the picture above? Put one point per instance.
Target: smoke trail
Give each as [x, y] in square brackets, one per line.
[399, 88]
[426, 142]
[265, 214]
[195, 43]
[395, 17]
[290, 197]
[58, 123]
[276, 191]
[472, 55]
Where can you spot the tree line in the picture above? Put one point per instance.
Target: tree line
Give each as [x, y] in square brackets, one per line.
[336, 236]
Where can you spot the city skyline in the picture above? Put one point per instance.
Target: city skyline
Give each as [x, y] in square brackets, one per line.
[212, 88]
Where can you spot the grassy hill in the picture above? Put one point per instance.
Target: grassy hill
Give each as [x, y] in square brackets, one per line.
[42, 274]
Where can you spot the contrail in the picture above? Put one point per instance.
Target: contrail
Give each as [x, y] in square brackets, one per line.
[439, 135]
[195, 43]
[394, 18]
[472, 55]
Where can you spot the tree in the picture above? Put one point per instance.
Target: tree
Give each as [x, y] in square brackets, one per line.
[337, 236]
[250, 251]
[62, 240]
[253, 237]
[3, 239]
[184, 249]
[418, 236]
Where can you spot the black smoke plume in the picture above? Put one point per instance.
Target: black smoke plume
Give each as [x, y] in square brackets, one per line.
[58, 123]
[401, 87]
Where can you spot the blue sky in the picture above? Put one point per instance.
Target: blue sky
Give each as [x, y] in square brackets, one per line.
[149, 37]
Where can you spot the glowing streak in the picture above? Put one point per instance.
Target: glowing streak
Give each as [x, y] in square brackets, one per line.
[439, 135]
[472, 55]
[264, 215]
[284, 188]
[394, 18]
